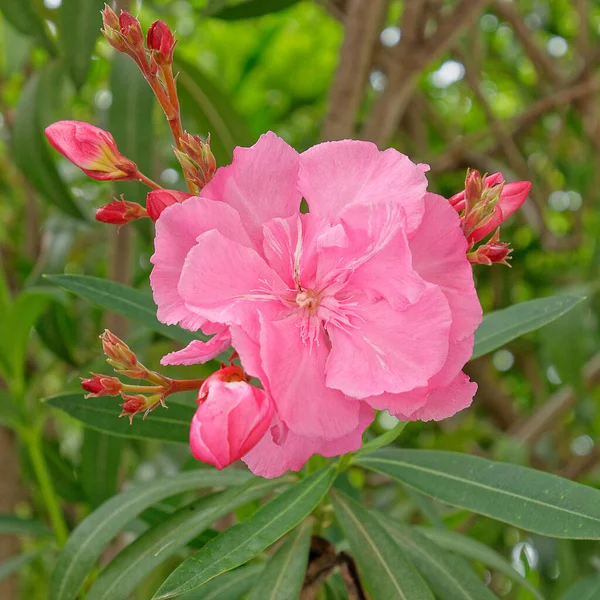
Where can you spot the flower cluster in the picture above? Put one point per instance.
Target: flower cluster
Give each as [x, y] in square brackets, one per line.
[364, 302]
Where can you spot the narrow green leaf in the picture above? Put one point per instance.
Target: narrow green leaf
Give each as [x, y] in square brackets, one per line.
[99, 468]
[13, 564]
[229, 586]
[92, 535]
[22, 15]
[210, 110]
[585, 589]
[30, 149]
[167, 424]
[528, 499]
[151, 549]
[11, 524]
[80, 23]
[476, 551]
[502, 326]
[245, 10]
[58, 330]
[284, 574]
[384, 439]
[237, 545]
[449, 576]
[123, 300]
[387, 571]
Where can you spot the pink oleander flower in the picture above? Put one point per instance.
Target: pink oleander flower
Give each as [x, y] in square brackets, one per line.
[91, 149]
[158, 200]
[232, 417]
[486, 203]
[367, 301]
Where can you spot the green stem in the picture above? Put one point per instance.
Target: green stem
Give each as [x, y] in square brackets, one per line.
[33, 441]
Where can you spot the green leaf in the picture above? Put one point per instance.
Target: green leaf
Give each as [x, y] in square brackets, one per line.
[502, 326]
[151, 549]
[11, 414]
[92, 535]
[13, 564]
[585, 589]
[30, 148]
[383, 565]
[384, 439]
[123, 300]
[246, 9]
[11, 524]
[449, 576]
[58, 330]
[237, 545]
[80, 22]
[284, 574]
[22, 15]
[476, 551]
[210, 111]
[528, 499]
[169, 425]
[99, 468]
[229, 586]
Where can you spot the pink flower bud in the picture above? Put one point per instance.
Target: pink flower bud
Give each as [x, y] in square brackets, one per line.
[92, 149]
[160, 40]
[231, 419]
[101, 385]
[158, 200]
[120, 212]
[131, 29]
[196, 160]
[492, 252]
[118, 353]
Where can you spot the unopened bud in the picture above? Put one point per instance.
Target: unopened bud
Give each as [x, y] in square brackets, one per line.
[120, 212]
[160, 41]
[158, 200]
[139, 403]
[196, 159]
[492, 252]
[101, 385]
[91, 149]
[131, 29]
[118, 353]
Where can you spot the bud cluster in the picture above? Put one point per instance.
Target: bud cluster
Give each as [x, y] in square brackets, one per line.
[196, 160]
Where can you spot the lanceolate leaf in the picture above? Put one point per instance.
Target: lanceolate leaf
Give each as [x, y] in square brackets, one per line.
[585, 589]
[22, 15]
[502, 326]
[283, 576]
[388, 573]
[449, 576]
[229, 586]
[167, 424]
[31, 151]
[476, 551]
[239, 544]
[11, 524]
[80, 23]
[528, 499]
[92, 535]
[248, 9]
[140, 558]
[123, 300]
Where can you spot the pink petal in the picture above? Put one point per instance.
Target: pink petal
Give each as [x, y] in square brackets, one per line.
[296, 374]
[261, 183]
[270, 459]
[336, 174]
[390, 350]
[199, 352]
[226, 282]
[176, 232]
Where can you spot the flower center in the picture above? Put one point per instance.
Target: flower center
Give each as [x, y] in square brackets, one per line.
[309, 300]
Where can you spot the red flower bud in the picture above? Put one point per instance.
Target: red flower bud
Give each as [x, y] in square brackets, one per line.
[101, 385]
[494, 251]
[92, 149]
[120, 212]
[158, 200]
[133, 405]
[160, 40]
[131, 29]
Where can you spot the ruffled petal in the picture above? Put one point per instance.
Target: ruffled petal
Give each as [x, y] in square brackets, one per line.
[176, 232]
[335, 174]
[199, 352]
[261, 183]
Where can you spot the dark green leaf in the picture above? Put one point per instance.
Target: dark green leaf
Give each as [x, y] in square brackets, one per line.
[502, 326]
[13, 524]
[239, 544]
[211, 111]
[151, 549]
[229, 586]
[247, 9]
[57, 328]
[284, 574]
[388, 573]
[167, 424]
[22, 15]
[30, 148]
[123, 300]
[528, 499]
[91, 536]
[585, 589]
[80, 23]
